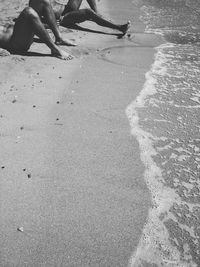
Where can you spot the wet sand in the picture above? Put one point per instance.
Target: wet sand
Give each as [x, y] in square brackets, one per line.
[71, 175]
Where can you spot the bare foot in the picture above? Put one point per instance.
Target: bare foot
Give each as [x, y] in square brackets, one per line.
[65, 42]
[61, 54]
[124, 28]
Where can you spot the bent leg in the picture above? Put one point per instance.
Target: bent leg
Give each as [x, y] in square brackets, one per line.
[45, 10]
[23, 33]
[25, 27]
[82, 15]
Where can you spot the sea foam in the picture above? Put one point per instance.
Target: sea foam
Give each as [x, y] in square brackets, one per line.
[154, 245]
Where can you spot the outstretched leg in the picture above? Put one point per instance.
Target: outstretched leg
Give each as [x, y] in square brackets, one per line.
[44, 9]
[82, 15]
[27, 25]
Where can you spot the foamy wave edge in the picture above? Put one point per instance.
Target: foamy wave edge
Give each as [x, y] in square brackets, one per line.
[154, 246]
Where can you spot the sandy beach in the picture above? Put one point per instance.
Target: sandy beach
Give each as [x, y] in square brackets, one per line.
[72, 189]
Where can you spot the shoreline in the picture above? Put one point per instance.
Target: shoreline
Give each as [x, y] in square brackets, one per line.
[162, 127]
[73, 178]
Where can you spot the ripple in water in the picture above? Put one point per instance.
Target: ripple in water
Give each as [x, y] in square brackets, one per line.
[165, 118]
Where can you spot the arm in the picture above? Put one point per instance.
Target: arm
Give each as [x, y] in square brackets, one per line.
[93, 5]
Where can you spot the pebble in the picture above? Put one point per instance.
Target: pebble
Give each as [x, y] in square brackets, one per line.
[20, 229]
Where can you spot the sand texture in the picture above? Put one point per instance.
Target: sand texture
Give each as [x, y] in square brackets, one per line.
[72, 190]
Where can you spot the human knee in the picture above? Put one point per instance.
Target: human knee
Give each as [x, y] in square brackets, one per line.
[29, 12]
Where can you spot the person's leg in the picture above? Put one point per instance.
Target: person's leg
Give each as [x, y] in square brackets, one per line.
[28, 24]
[82, 15]
[45, 10]
[72, 5]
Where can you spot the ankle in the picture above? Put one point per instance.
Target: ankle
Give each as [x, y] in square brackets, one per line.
[55, 49]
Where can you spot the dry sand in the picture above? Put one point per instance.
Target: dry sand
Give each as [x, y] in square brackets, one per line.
[71, 174]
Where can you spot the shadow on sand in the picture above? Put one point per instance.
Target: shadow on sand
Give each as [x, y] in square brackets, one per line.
[31, 54]
[80, 28]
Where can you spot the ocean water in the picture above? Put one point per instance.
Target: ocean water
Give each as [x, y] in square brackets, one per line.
[165, 118]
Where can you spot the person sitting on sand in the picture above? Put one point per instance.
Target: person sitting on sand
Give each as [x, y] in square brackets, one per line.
[18, 38]
[68, 13]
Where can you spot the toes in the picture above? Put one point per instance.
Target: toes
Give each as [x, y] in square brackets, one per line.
[62, 55]
[70, 57]
[128, 25]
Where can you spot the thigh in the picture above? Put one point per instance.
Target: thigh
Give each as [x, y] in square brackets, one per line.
[74, 17]
[36, 5]
[23, 33]
[72, 5]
